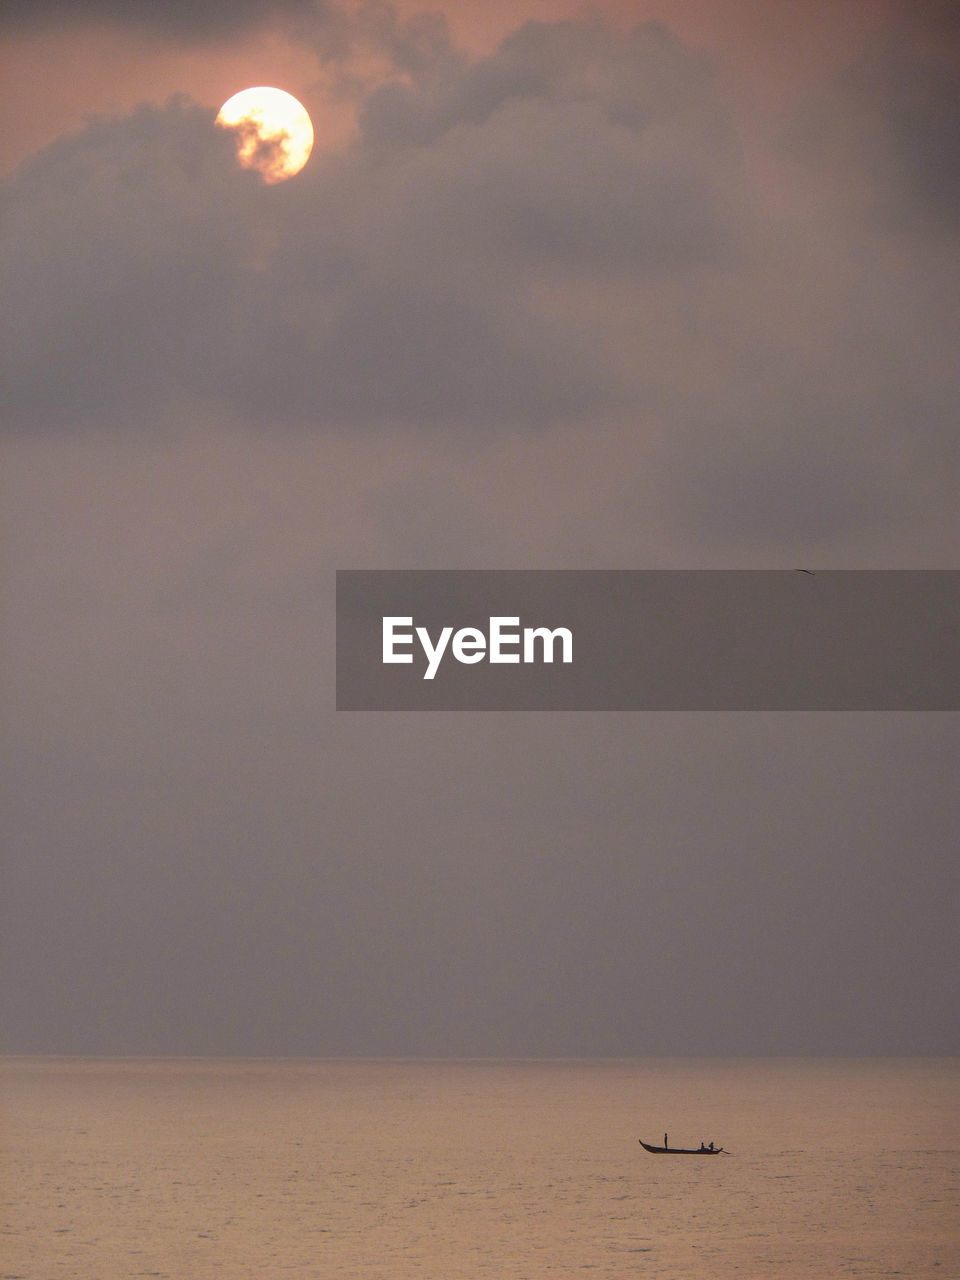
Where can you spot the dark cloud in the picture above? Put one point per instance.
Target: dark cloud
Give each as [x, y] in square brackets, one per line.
[555, 254]
[180, 20]
[572, 143]
[397, 283]
[573, 146]
[885, 133]
[560, 231]
[415, 45]
[636, 80]
[118, 264]
[140, 266]
[939, 19]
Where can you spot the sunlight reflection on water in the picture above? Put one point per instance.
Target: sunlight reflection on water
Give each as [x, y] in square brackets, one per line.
[394, 1169]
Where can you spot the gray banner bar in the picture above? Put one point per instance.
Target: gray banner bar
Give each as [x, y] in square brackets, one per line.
[648, 640]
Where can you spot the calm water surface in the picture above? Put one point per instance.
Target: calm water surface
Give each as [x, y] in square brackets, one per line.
[197, 1168]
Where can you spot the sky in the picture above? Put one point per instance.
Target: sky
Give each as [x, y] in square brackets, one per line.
[636, 286]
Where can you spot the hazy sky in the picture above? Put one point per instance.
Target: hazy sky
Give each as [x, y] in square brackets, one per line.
[632, 287]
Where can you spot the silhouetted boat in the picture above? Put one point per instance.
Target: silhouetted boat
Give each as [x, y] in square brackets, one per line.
[682, 1151]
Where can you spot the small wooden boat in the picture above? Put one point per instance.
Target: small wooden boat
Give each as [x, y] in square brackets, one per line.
[682, 1151]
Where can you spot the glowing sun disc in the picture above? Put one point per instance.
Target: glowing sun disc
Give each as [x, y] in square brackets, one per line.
[274, 133]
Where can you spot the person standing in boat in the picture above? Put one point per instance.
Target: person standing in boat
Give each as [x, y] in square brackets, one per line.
[665, 1142]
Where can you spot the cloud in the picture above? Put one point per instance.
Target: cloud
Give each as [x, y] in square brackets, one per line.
[937, 18]
[402, 281]
[635, 79]
[555, 326]
[884, 133]
[180, 20]
[560, 232]
[572, 143]
[117, 263]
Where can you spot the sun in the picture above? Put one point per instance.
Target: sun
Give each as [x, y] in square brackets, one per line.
[274, 133]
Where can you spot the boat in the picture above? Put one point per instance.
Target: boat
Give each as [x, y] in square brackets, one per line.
[682, 1151]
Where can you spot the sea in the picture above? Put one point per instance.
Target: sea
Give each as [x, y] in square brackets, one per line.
[449, 1170]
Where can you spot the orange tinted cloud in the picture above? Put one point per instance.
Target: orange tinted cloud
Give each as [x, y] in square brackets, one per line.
[764, 51]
